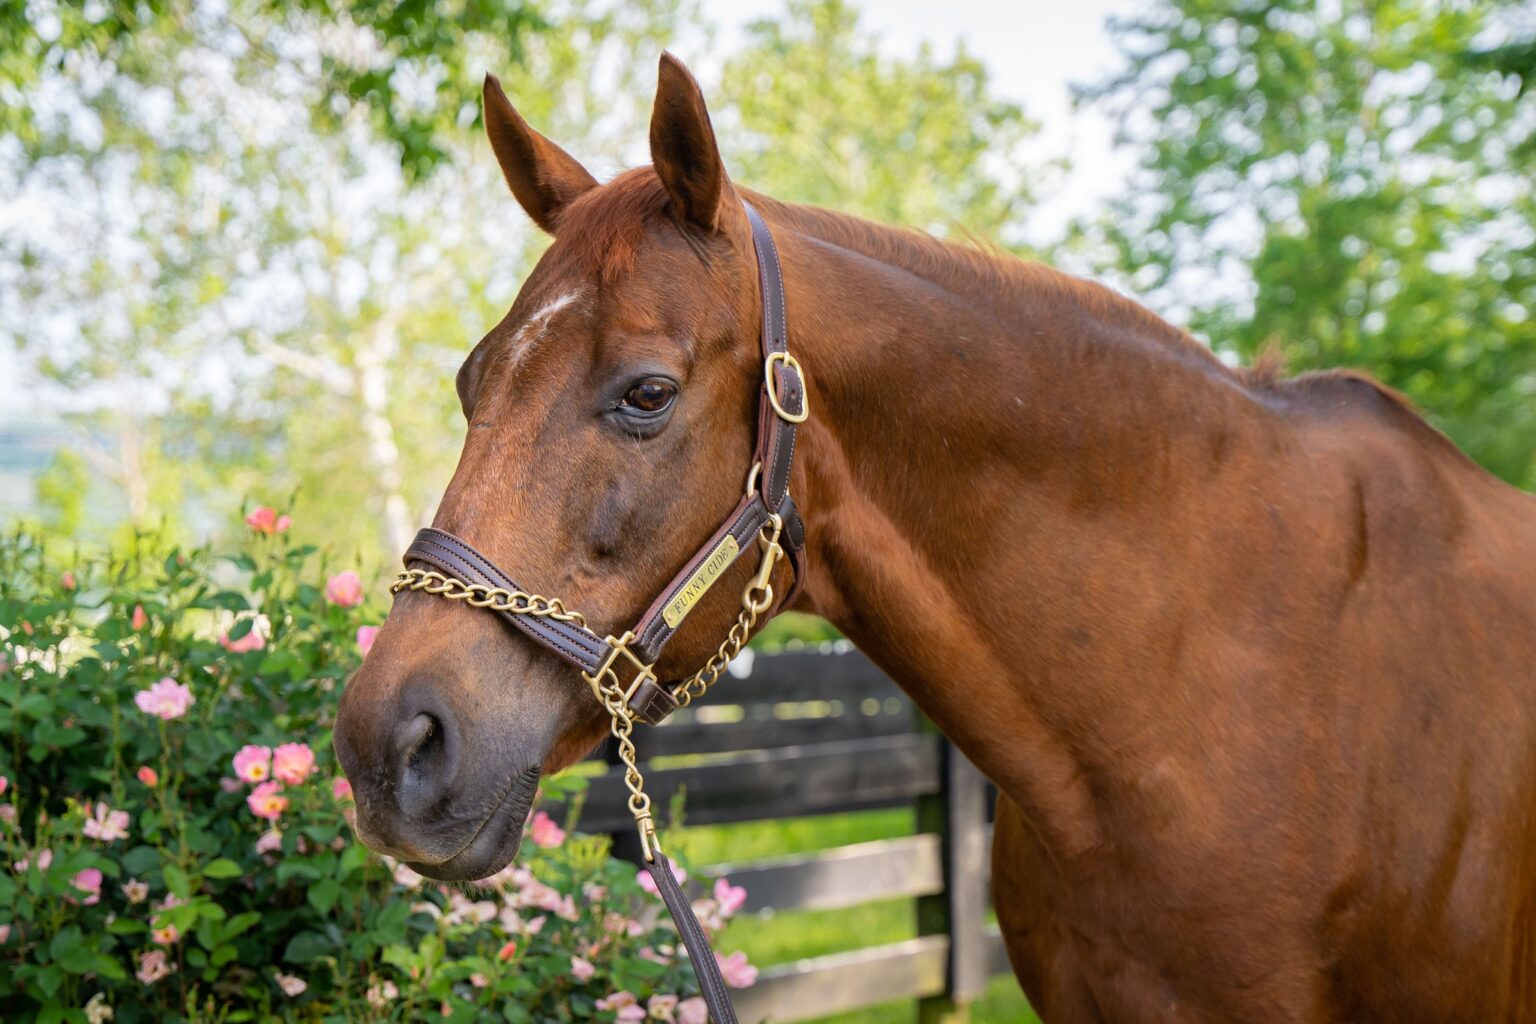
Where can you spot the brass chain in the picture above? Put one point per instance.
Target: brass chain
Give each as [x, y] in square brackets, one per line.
[476, 595]
[621, 723]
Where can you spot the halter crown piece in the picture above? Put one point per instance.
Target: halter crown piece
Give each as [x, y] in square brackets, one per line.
[621, 669]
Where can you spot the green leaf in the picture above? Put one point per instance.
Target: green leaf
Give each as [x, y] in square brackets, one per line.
[306, 947]
[240, 923]
[141, 860]
[64, 940]
[177, 881]
[78, 959]
[36, 705]
[48, 979]
[223, 955]
[222, 868]
[324, 894]
[110, 967]
[353, 858]
[296, 867]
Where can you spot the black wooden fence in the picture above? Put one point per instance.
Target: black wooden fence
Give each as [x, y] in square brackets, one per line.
[826, 732]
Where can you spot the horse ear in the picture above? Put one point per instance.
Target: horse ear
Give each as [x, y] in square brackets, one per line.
[684, 152]
[543, 177]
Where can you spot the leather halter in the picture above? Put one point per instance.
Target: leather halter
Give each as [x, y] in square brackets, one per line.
[456, 570]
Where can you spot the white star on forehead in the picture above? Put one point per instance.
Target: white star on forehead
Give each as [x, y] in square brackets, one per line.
[536, 327]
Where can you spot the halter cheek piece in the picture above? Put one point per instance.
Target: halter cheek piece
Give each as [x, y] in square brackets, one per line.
[621, 669]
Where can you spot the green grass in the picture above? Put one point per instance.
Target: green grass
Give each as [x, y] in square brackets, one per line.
[783, 937]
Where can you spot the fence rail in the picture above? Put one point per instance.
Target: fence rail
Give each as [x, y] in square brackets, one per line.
[826, 732]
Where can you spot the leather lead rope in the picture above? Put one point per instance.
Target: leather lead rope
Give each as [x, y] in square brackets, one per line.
[766, 515]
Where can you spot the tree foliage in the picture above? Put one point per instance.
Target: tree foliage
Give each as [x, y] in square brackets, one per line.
[403, 64]
[1341, 181]
[228, 295]
[816, 113]
[236, 300]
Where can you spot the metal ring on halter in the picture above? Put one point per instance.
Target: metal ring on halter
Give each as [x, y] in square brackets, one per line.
[773, 388]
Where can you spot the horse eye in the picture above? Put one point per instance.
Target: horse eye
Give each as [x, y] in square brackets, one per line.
[651, 396]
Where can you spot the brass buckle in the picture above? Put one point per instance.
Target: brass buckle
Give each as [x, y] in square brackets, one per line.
[618, 646]
[773, 388]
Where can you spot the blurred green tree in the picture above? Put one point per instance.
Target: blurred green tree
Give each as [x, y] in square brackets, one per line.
[233, 298]
[238, 300]
[1341, 181]
[404, 64]
[61, 490]
[813, 112]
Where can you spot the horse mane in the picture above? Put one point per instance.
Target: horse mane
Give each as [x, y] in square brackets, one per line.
[603, 228]
[602, 231]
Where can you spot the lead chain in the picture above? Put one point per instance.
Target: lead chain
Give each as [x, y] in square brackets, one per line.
[621, 723]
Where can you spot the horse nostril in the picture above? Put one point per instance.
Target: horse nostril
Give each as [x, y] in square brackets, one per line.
[418, 738]
[423, 752]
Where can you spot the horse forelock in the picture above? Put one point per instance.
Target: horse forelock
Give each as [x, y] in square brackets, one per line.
[600, 232]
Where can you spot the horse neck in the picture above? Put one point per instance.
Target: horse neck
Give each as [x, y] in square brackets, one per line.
[1001, 472]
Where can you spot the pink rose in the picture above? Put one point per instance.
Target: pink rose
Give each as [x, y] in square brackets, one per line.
[106, 824]
[544, 832]
[135, 891]
[140, 617]
[643, 875]
[271, 841]
[5, 784]
[254, 640]
[366, 635]
[166, 935]
[581, 969]
[625, 1006]
[381, 994]
[662, 1005]
[735, 970]
[292, 763]
[67, 581]
[267, 801]
[730, 897]
[507, 952]
[344, 589]
[166, 699]
[88, 882]
[153, 966]
[148, 776]
[341, 789]
[44, 861]
[262, 519]
[291, 986]
[5, 933]
[692, 1011]
[253, 763]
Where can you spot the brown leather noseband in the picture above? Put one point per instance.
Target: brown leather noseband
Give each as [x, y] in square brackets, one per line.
[437, 562]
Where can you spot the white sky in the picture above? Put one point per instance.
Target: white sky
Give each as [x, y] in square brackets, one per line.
[1034, 50]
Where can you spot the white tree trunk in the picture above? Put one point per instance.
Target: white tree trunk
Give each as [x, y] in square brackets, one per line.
[372, 360]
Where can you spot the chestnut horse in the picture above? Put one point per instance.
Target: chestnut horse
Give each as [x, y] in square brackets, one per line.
[1251, 661]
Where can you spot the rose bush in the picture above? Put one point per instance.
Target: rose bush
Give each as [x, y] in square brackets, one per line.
[174, 838]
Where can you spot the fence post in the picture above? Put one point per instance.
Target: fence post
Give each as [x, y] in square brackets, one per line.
[958, 813]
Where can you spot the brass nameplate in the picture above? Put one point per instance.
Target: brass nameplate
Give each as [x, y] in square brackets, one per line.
[698, 585]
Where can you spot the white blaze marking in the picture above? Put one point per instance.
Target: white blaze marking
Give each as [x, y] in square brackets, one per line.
[537, 326]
